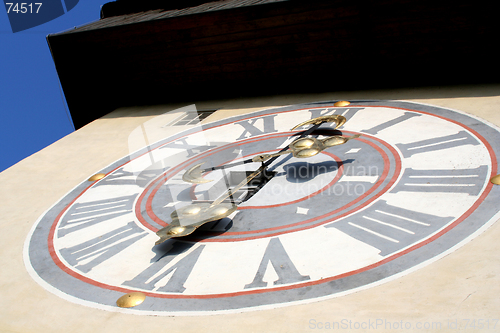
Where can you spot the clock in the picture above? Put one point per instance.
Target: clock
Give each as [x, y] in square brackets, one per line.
[410, 185]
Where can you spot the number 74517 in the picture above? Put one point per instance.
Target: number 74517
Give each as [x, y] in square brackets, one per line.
[23, 7]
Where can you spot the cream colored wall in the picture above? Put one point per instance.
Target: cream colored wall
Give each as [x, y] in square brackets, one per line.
[463, 285]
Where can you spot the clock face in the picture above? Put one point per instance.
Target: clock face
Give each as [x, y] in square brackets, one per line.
[413, 187]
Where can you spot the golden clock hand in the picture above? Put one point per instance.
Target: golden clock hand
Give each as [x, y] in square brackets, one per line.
[195, 215]
[187, 219]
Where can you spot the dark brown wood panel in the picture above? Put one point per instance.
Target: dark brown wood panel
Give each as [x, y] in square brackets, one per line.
[284, 46]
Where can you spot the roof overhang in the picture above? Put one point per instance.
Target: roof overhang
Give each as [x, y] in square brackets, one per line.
[235, 48]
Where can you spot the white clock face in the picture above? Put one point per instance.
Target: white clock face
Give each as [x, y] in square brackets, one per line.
[413, 187]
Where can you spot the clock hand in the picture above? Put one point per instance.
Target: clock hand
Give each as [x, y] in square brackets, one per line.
[187, 219]
[194, 174]
[198, 214]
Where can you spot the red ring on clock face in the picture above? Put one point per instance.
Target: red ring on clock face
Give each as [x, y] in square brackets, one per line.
[151, 212]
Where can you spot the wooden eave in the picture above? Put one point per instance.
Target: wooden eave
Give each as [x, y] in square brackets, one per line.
[235, 48]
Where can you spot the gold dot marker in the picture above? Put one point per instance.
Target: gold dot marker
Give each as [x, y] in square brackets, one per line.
[495, 180]
[130, 300]
[342, 103]
[97, 176]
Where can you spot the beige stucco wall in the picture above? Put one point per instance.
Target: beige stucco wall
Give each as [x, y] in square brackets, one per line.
[463, 285]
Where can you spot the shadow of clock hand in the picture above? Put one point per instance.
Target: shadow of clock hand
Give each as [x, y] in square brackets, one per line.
[170, 247]
[211, 229]
[207, 230]
[324, 132]
[301, 172]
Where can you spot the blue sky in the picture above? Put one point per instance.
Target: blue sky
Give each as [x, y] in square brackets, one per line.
[32, 105]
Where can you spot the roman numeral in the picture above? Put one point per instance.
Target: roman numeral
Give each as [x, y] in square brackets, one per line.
[102, 248]
[153, 277]
[455, 140]
[266, 125]
[468, 181]
[346, 112]
[83, 215]
[389, 228]
[387, 124]
[117, 178]
[282, 264]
